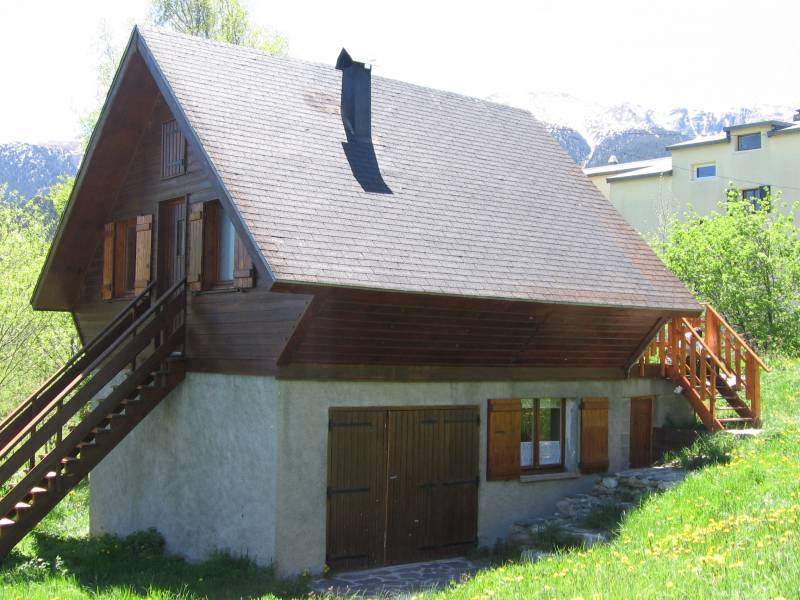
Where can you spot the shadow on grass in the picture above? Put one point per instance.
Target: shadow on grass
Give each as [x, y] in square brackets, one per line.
[140, 564]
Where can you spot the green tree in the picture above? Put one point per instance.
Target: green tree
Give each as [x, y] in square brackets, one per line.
[745, 260]
[221, 20]
[33, 344]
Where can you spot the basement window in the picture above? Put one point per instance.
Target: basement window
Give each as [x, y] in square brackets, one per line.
[173, 150]
[748, 141]
[542, 434]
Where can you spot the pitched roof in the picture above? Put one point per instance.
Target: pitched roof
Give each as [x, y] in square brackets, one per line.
[481, 202]
[616, 168]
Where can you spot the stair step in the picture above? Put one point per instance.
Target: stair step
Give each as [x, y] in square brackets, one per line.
[36, 490]
[5, 522]
[21, 506]
[736, 420]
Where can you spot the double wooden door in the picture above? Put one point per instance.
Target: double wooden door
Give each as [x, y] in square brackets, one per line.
[402, 484]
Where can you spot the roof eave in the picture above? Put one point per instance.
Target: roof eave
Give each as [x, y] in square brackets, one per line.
[79, 177]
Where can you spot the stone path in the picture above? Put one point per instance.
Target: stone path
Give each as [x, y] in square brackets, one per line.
[395, 581]
[624, 489]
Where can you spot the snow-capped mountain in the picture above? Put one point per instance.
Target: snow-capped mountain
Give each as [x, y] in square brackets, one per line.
[30, 169]
[592, 131]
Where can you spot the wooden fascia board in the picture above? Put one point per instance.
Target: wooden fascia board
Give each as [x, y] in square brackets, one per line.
[86, 160]
[643, 344]
[224, 196]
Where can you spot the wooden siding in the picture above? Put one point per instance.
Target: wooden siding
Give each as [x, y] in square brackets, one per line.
[364, 327]
[230, 331]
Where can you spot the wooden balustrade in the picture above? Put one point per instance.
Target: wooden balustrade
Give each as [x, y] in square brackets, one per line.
[712, 360]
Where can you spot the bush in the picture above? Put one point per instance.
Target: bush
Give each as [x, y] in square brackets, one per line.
[710, 449]
[745, 260]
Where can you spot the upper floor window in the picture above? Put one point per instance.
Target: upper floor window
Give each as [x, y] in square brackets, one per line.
[173, 150]
[749, 141]
[124, 257]
[705, 171]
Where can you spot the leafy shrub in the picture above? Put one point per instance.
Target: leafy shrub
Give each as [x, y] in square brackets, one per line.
[745, 260]
[710, 449]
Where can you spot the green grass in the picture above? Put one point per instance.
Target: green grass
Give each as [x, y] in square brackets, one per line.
[729, 531]
[58, 560]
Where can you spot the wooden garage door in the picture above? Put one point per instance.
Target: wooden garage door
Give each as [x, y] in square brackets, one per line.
[406, 493]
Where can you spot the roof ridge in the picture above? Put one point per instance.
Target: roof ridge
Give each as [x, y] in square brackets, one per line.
[145, 30]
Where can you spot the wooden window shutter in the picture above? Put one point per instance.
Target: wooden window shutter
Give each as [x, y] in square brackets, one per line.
[144, 245]
[594, 435]
[502, 452]
[194, 273]
[243, 269]
[107, 290]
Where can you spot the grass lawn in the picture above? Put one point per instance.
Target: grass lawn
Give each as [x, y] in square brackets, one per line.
[728, 531]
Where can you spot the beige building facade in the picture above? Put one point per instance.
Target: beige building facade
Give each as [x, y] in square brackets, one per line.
[755, 158]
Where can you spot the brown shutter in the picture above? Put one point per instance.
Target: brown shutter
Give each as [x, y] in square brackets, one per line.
[594, 435]
[194, 274]
[502, 452]
[144, 245]
[107, 290]
[243, 269]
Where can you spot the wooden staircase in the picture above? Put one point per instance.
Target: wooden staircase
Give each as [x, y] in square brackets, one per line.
[718, 372]
[57, 436]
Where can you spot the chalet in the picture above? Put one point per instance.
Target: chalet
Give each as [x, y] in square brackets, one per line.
[331, 318]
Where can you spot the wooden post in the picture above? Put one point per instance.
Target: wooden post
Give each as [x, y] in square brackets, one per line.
[711, 333]
[662, 350]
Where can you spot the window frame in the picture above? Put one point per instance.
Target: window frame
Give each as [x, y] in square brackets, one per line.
[211, 250]
[536, 467]
[699, 166]
[124, 259]
[172, 142]
[752, 135]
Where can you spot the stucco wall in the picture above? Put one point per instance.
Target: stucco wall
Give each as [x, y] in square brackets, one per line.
[200, 468]
[239, 462]
[647, 203]
[302, 432]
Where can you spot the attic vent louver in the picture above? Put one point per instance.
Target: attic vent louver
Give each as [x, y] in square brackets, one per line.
[356, 97]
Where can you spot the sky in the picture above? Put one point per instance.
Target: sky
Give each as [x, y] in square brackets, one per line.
[707, 54]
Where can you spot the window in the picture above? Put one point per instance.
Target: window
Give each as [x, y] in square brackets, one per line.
[756, 195]
[542, 433]
[124, 258]
[226, 246]
[531, 437]
[173, 150]
[217, 257]
[748, 141]
[705, 171]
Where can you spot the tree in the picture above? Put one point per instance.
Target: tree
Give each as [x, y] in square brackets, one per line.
[33, 344]
[221, 20]
[745, 260]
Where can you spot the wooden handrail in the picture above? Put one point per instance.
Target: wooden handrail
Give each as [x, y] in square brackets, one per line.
[47, 385]
[739, 338]
[93, 419]
[711, 353]
[104, 355]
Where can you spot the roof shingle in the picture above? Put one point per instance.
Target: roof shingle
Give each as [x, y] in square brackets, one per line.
[482, 202]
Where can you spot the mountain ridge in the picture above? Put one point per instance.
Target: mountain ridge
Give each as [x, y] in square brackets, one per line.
[629, 131]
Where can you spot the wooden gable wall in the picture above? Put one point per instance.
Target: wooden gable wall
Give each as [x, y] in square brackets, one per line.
[227, 331]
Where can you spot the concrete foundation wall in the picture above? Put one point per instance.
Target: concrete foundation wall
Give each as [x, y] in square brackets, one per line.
[239, 463]
[201, 469]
